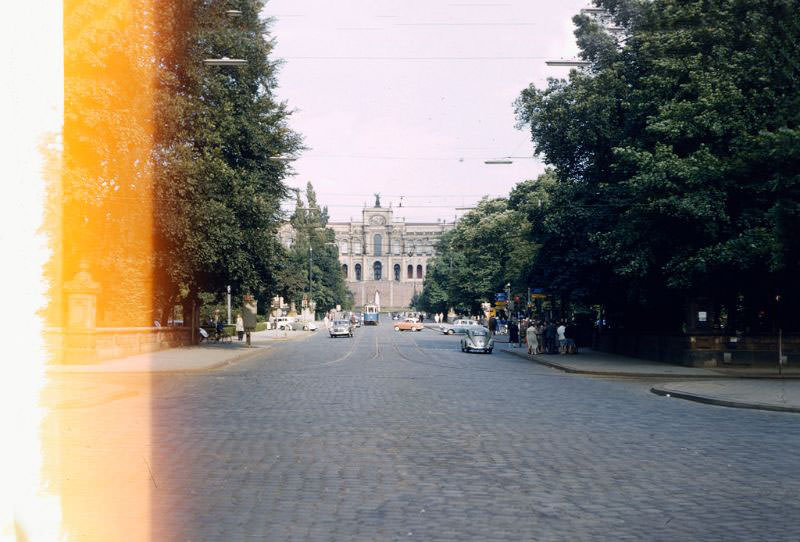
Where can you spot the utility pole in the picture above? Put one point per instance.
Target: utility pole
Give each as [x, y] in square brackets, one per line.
[310, 280]
[229, 304]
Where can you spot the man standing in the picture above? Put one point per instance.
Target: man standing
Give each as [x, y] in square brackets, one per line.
[549, 337]
[513, 332]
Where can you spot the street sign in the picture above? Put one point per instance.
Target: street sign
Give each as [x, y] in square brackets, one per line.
[501, 297]
[538, 293]
[501, 304]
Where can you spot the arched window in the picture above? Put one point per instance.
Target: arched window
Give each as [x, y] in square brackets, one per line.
[357, 247]
[344, 247]
[397, 272]
[377, 244]
[358, 271]
[410, 273]
[377, 268]
[419, 271]
[344, 271]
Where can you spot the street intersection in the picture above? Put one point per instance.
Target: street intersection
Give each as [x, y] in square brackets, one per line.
[400, 436]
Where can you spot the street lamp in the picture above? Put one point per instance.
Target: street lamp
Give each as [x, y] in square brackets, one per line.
[569, 63]
[224, 61]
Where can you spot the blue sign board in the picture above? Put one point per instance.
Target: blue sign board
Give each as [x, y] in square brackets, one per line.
[502, 296]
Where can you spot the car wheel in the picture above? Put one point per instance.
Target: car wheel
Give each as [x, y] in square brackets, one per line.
[489, 351]
[450, 331]
[396, 328]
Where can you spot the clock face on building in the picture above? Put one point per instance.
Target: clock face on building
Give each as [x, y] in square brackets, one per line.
[377, 220]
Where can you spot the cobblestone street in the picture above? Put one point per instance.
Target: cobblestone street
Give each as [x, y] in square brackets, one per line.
[400, 436]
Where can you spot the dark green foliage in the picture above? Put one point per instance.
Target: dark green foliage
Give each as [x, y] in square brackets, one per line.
[218, 190]
[473, 261]
[676, 158]
[310, 222]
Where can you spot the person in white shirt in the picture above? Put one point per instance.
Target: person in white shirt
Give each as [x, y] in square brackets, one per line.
[239, 326]
[562, 337]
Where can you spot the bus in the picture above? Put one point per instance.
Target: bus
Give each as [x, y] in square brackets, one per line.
[371, 315]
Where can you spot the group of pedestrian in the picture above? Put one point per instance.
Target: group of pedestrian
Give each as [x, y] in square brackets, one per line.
[551, 338]
[219, 327]
[439, 318]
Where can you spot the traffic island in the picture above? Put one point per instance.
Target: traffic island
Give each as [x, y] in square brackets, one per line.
[780, 395]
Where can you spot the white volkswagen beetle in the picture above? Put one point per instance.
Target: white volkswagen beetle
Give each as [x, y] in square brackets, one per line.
[477, 338]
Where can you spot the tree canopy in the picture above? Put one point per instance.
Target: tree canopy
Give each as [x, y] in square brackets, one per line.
[676, 158]
[219, 188]
[313, 246]
[487, 248]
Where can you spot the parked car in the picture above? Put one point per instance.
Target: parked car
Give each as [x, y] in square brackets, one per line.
[409, 324]
[309, 326]
[459, 326]
[341, 328]
[477, 339]
[284, 323]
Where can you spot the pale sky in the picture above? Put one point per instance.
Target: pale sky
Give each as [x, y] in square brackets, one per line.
[409, 98]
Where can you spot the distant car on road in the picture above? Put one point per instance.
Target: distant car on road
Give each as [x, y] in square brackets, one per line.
[284, 323]
[477, 339]
[459, 326]
[341, 328]
[409, 324]
[309, 326]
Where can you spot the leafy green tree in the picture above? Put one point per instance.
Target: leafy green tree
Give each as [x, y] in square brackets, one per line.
[218, 187]
[313, 246]
[486, 249]
[676, 161]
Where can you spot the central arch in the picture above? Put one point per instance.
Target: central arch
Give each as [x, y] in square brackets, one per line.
[377, 270]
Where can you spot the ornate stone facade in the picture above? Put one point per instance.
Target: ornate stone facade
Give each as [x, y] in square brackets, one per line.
[384, 255]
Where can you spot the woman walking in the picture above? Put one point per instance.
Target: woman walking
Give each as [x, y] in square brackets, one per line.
[533, 339]
[239, 326]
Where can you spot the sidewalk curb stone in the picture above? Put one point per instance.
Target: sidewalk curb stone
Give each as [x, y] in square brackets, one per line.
[711, 400]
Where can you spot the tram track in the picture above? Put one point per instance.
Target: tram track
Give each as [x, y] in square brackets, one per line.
[430, 362]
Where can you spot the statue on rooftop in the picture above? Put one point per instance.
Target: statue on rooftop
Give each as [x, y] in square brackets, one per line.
[377, 200]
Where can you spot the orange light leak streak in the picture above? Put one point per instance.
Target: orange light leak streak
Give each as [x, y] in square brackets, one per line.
[97, 430]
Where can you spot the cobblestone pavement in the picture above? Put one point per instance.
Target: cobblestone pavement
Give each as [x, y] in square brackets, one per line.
[400, 436]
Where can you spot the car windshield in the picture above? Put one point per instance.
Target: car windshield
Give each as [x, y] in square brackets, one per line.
[340, 323]
[478, 332]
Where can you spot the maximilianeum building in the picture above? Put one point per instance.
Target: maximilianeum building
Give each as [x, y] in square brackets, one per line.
[384, 255]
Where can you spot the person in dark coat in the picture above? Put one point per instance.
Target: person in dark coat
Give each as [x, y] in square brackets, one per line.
[492, 325]
[513, 332]
[550, 338]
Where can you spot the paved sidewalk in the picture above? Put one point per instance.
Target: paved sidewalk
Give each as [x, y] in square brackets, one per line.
[202, 357]
[591, 362]
[772, 394]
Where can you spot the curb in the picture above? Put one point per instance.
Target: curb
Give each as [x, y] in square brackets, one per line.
[710, 400]
[538, 359]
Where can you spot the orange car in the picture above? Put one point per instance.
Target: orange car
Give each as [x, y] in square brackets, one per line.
[409, 324]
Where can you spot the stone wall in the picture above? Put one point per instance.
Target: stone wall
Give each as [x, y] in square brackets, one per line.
[93, 345]
[703, 349]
